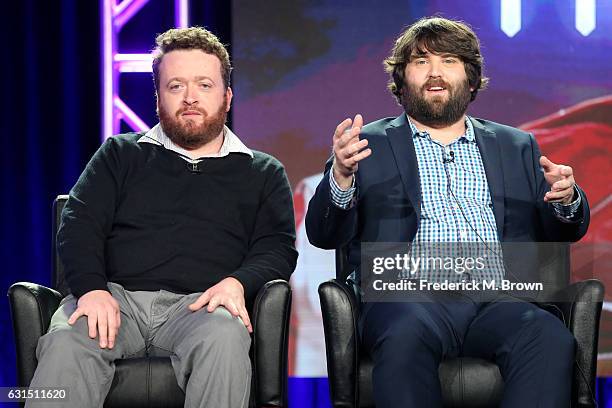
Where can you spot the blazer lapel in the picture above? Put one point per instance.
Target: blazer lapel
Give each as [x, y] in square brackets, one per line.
[490, 152]
[400, 139]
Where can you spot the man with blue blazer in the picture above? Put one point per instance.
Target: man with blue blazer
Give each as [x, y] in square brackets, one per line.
[434, 175]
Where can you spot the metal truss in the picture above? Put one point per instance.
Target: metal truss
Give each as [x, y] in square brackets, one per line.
[115, 14]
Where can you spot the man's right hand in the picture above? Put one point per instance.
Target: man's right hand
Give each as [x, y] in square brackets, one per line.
[348, 151]
[103, 316]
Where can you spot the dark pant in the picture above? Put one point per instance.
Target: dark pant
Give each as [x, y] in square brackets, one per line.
[408, 340]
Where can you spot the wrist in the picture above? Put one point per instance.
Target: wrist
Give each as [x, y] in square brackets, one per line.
[344, 182]
[571, 198]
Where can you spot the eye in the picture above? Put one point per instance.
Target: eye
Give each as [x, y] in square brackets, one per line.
[420, 61]
[205, 85]
[450, 60]
[175, 86]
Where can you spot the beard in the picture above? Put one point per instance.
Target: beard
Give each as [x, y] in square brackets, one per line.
[188, 134]
[435, 112]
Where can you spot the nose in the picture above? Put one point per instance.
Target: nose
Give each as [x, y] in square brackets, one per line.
[190, 97]
[435, 69]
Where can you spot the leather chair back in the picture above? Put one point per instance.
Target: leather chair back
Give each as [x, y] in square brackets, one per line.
[58, 279]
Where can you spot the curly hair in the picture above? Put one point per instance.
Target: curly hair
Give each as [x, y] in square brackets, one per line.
[437, 35]
[192, 38]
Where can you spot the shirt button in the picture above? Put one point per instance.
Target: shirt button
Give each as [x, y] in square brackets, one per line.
[463, 234]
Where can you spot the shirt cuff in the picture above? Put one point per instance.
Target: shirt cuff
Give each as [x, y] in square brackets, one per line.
[566, 212]
[341, 198]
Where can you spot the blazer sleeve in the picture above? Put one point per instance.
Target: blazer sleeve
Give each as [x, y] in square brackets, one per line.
[328, 226]
[554, 229]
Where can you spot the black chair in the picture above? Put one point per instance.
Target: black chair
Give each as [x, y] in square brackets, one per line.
[466, 382]
[150, 382]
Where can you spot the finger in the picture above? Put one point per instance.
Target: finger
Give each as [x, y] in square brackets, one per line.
[200, 302]
[349, 151]
[354, 148]
[361, 155]
[341, 128]
[347, 138]
[358, 121]
[117, 313]
[213, 304]
[73, 318]
[566, 171]
[557, 196]
[112, 328]
[244, 315]
[547, 164]
[92, 323]
[562, 185]
[561, 194]
[103, 329]
[233, 309]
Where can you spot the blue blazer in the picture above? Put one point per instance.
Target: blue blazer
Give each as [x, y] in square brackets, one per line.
[388, 198]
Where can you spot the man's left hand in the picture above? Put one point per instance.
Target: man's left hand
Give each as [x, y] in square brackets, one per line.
[561, 181]
[228, 293]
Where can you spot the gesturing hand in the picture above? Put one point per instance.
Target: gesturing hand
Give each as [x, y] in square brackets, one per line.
[228, 293]
[348, 151]
[561, 181]
[103, 316]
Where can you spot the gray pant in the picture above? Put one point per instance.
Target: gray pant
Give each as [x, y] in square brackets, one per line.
[209, 351]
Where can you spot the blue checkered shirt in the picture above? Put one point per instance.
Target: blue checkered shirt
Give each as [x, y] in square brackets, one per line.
[456, 203]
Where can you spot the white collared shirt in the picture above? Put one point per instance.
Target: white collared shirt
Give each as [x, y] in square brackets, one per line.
[231, 144]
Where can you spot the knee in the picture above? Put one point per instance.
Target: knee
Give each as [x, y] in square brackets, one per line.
[410, 334]
[552, 334]
[223, 334]
[78, 333]
[65, 342]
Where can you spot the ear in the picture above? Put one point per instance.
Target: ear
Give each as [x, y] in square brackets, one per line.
[228, 97]
[157, 103]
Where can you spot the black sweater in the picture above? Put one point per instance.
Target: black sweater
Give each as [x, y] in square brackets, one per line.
[139, 217]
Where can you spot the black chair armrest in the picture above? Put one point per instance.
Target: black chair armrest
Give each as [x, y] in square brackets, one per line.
[340, 317]
[31, 306]
[270, 319]
[581, 308]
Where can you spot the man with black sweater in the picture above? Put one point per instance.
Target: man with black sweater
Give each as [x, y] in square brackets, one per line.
[165, 237]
